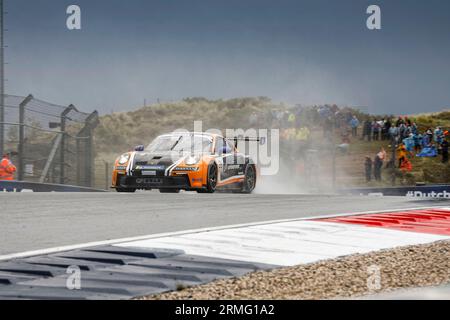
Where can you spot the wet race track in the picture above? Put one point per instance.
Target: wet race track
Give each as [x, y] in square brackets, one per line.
[32, 221]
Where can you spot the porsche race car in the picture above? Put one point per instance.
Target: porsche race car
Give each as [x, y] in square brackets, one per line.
[199, 162]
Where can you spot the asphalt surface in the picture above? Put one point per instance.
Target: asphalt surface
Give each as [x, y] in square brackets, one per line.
[33, 221]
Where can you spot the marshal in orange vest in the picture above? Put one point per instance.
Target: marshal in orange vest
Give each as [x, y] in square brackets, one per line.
[7, 169]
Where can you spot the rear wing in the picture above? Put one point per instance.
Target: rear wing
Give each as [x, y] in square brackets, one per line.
[261, 140]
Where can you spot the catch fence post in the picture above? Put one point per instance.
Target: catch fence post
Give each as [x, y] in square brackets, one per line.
[21, 146]
[62, 158]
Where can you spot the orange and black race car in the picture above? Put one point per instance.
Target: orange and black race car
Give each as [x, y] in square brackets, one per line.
[199, 162]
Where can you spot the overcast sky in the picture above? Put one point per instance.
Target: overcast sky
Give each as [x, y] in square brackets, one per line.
[299, 51]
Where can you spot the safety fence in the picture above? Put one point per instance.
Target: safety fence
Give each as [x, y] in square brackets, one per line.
[49, 143]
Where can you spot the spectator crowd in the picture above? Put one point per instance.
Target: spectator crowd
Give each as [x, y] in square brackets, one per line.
[409, 141]
[406, 138]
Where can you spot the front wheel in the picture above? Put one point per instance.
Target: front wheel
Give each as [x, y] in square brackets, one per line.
[212, 178]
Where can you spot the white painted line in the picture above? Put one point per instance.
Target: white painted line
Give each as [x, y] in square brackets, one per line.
[186, 232]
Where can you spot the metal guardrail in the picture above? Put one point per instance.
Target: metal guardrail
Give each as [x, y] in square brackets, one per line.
[21, 186]
[426, 191]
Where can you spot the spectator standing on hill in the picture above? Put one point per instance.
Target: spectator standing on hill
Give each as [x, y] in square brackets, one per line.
[402, 131]
[407, 121]
[368, 169]
[409, 143]
[429, 133]
[408, 131]
[426, 142]
[406, 165]
[444, 146]
[381, 126]
[417, 142]
[385, 129]
[382, 154]
[354, 123]
[367, 130]
[393, 135]
[438, 135]
[378, 164]
[401, 155]
[414, 129]
[376, 130]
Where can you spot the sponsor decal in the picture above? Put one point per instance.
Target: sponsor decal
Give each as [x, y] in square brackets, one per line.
[192, 169]
[150, 167]
[432, 194]
[148, 180]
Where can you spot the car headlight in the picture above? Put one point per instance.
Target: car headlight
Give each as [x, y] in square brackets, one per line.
[191, 160]
[124, 158]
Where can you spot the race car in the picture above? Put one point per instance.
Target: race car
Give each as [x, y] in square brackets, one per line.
[200, 162]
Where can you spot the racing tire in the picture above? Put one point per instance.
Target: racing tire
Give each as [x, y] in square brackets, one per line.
[126, 190]
[212, 178]
[249, 183]
[169, 190]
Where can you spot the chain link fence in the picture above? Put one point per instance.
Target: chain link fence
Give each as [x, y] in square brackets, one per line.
[49, 143]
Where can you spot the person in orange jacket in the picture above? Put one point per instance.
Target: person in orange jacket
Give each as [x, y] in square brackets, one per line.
[406, 165]
[401, 154]
[7, 169]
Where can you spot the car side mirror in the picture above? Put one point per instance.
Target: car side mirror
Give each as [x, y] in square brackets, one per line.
[262, 141]
[139, 148]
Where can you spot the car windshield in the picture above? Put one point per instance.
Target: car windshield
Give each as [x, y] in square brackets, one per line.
[181, 143]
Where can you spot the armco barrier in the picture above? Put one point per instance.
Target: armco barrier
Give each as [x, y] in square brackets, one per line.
[20, 186]
[427, 191]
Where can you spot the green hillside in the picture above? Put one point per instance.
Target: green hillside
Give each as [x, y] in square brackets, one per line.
[119, 131]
